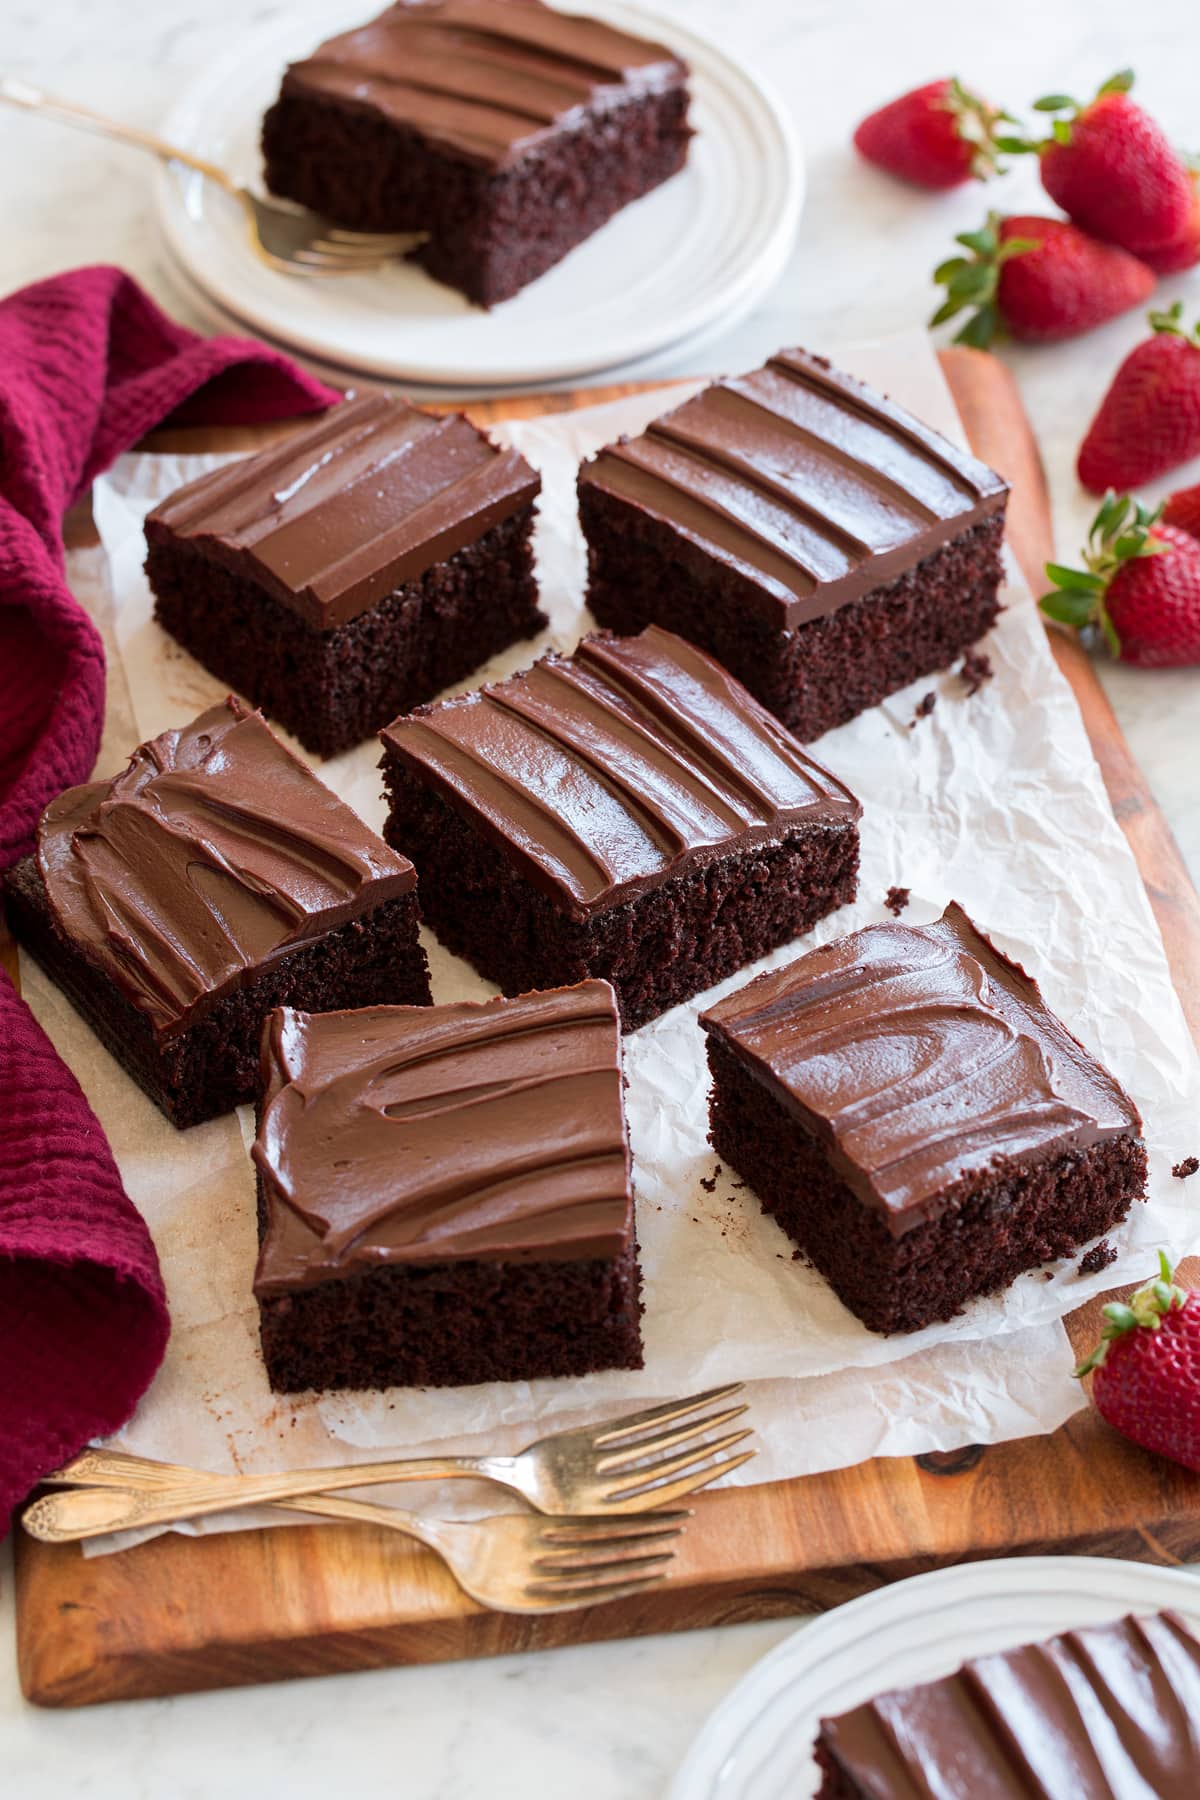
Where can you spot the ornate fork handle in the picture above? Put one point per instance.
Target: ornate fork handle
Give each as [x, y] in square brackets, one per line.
[111, 1503]
[23, 94]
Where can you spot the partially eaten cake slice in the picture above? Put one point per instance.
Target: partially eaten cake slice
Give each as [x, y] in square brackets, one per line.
[1108, 1712]
[823, 543]
[918, 1121]
[445, 1194]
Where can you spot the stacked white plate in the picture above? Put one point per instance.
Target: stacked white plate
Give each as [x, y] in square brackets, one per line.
[683, 263]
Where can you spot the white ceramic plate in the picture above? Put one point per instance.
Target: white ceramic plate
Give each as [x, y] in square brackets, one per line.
[703, 247]
[758, 1743]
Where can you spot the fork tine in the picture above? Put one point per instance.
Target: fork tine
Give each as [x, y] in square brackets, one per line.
[624, 1568]
[569, 1559]
[338, 247]
[624, 1458]
[566, 1532]
[692, 1484]
[553, 1599]
[636, 1480]
[373, 240]
[662, 1415]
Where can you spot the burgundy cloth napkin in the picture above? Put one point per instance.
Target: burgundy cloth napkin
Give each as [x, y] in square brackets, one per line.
[88, 364]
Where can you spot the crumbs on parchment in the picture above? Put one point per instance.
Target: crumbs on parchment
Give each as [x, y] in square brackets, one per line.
[896, 899]
[976, 669]
[1100, 1256]
[1187, 1167]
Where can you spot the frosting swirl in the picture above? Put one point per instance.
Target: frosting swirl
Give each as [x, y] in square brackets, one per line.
[490, 1131]
[214, 853]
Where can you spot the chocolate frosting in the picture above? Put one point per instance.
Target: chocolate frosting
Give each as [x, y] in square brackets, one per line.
[213, 854]
[803, 481]
[413, 1134]
[1111, 1712]
[919, 1056]
[340, 514]
[605, 773]
[486, 80]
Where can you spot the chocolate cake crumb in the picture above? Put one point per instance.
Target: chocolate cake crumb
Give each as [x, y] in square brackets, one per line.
[1100, 1256]
[708, 1183]
[896, 899]
[976, 669]
[925, 706]
[1187, 1167]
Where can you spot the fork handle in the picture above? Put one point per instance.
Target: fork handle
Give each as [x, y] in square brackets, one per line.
[23, 94]
[114, 1503]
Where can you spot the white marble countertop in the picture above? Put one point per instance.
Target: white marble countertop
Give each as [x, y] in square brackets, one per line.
[608, 1722]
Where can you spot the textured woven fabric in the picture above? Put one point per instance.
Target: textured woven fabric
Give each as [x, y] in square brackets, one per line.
[88, 364]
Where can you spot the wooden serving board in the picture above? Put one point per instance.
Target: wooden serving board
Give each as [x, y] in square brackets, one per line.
[184, 1613]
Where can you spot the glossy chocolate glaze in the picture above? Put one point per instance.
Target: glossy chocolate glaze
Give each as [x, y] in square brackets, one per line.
[605, 773]
[919, 1057]
[1111, 1712]
[214, 853]
[808, 484]
[487, 80]
[340, 514]
[414, 1134]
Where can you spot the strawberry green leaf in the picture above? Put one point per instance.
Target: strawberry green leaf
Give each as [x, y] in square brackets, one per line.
[1109, 632]
[1069, 607]
[1062, 131]
[946, 310]
[1075, 578]
[979, 331]
[1120, 83]
[1054, 103]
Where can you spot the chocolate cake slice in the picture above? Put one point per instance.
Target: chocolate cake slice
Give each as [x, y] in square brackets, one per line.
[506, 131]
[444, 1194]
[1109, 1712]
[358, 568]
[820, 541]
[903, 1102]
[627, 812]
[213, 879]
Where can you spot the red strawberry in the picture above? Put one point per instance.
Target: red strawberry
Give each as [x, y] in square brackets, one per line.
[1183, 510]
[937, 136]
[1112, 169]
[1141, 585]
[1147, 1369]
[1185, 250]
[1041, 278]
[1149, 420]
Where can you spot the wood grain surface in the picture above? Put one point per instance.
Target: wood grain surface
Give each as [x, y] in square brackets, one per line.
[179, 1613]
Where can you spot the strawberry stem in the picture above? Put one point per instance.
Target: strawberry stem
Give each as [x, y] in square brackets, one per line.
[1170, 323]
[975, 121]
[1145, 1311]
[1122, 531]
[1060, 129]
[974, 280]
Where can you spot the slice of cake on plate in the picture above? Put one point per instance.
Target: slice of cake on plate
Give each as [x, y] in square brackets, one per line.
[918, 1121]
[504, 130]
[444, 1194]
[1108, 1712]
[213, 879]
[628, 812]
[819, 540]
[373, 558]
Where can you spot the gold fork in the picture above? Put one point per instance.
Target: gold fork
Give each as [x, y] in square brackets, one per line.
[515, 1563]
[287, 237]
[641, 1461]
